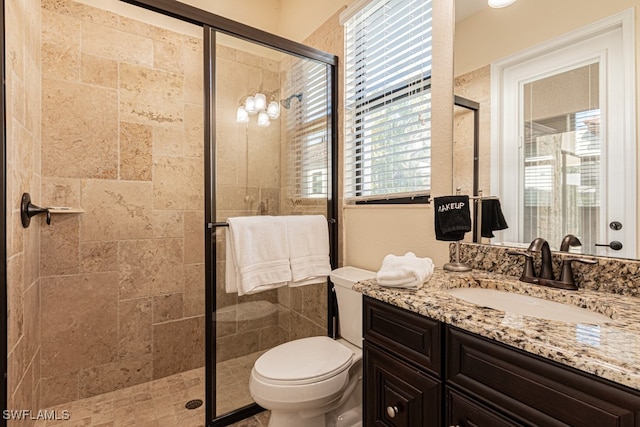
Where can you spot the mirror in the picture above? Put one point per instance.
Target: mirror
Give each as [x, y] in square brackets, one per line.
[484, 36]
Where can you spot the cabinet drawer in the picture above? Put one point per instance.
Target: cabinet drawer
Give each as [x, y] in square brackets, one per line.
[463, 412]
[535, 391]
[398, 395]
[408, 335]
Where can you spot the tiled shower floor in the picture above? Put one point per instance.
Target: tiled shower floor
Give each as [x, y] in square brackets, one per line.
[161, 403]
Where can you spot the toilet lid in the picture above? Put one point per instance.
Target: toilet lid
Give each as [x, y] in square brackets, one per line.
[304, 360]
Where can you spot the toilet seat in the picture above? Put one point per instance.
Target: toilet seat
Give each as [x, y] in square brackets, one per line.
[303, 361]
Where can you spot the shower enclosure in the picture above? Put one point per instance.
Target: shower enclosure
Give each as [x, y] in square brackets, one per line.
[128, 112]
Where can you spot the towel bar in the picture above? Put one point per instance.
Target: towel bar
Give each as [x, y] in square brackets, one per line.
[224, 224]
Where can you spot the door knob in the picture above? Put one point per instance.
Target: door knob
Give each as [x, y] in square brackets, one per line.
[615, 245]
[392, 411]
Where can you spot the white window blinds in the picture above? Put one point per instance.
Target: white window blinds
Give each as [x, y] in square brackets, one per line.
[388, 100]
[307, 125]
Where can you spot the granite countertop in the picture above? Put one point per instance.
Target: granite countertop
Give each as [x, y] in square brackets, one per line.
[610, 350]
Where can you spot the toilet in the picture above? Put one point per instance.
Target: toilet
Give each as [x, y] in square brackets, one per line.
[317, 381]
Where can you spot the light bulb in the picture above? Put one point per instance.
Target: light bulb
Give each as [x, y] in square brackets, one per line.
[500, 3]
[241, 115]
[250, 105]
[261, 101]
[263, 119]
[273, 110]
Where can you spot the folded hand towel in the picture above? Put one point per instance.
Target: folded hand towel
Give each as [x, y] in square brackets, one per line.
[452, 217]
[492, 217]
[407, 271]
[308, 237]
[257, 254]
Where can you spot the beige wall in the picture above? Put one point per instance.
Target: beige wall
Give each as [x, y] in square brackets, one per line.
[298, 18]
[23, 119]
[292, 19]
[493, 34]
[262, 14]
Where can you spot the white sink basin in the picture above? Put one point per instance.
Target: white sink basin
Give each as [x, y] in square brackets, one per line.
[527, 305]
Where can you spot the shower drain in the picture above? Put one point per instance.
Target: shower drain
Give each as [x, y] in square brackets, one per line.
[193, 404]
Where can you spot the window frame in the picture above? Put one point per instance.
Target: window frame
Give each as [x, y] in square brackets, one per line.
[422, 84]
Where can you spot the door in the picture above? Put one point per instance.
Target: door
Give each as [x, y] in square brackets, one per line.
[397, 394]
[567, 147]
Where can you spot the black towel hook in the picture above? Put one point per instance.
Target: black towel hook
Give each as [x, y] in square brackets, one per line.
[28, 209]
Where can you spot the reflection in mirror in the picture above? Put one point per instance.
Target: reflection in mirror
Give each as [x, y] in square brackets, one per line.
[552, 182]
[464, 157]
[562, 151]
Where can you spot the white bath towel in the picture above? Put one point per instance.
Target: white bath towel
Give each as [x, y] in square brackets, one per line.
[257, 254]
[308, 237]
[407, 271]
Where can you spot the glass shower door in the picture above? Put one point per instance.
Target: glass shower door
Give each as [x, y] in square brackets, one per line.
[270, 156]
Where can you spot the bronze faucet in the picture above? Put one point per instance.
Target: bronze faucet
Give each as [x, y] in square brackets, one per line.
[569, 240]
[540, 245]
[546, 276]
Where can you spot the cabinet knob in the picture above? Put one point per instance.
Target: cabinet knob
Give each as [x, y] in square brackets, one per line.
[392, 411]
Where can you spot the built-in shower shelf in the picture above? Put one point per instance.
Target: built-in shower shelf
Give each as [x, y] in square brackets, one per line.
[65, 210]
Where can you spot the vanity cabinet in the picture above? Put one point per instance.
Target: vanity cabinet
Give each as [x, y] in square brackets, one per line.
[402, 367]
[420, 372]
[529, 390]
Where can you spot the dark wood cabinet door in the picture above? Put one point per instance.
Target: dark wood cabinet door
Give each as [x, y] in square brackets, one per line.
[535, 391]
[397, 394]
[463, 412]
[415, 339]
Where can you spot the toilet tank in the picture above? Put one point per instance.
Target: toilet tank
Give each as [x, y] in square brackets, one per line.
[350, 301]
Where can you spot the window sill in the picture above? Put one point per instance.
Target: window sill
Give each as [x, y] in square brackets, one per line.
[406, 200]
[382, 207]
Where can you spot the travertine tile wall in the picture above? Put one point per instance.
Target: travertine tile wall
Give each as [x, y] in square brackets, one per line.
[250, 161]
[122, 294]
[23, 120]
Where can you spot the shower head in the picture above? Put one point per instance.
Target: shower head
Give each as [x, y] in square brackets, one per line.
[286, 103]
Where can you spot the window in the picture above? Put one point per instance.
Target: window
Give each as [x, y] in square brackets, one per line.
[388, 100]
[307, 127]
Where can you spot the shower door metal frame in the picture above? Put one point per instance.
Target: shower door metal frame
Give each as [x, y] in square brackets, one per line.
[3, 228]
[213, 225]
[211, 24]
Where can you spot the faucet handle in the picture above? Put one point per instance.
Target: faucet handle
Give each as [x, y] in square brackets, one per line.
[566, 275]
[528, 273]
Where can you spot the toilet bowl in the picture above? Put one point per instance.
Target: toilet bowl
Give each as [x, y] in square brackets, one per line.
[300, 381]
[317, 381]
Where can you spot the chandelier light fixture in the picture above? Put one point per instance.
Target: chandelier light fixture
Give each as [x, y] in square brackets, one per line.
[252, 105]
